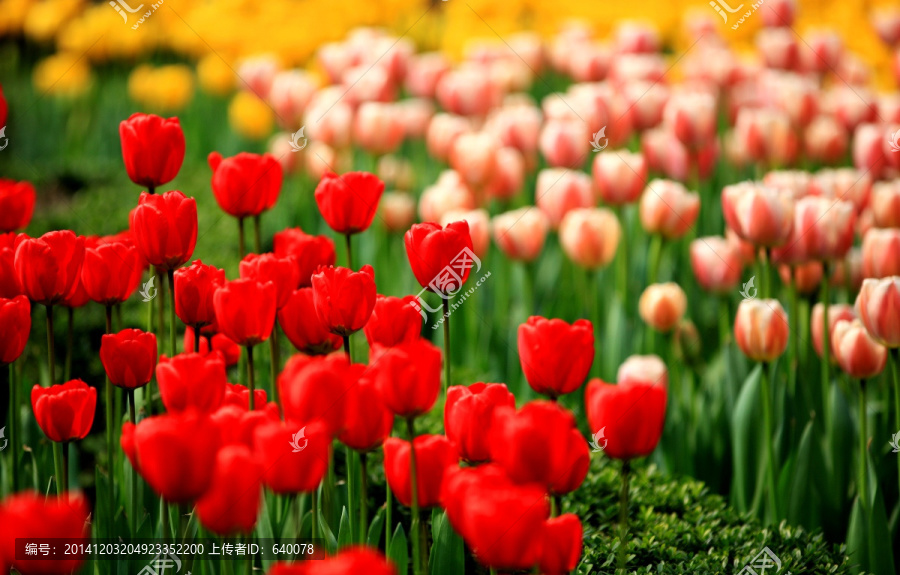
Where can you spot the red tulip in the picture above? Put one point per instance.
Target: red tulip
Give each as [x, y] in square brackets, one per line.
[303, 327]
[367, 420]
[15, 317]
[129, 357]
[394, 320]
[231, 351]
[434, 455]
[174, 453]
[344, 299]
[540, 444]
[469, 412]
[111, 272]
[562, 545]
[16, 204]
[165, 228]
[309, 252]
[48, 267]
[66, 411]
[195, 287]
[555, 356]
[29, 515]
[153, 149]
[246, 184]
[761, 329]
[191, 381]
[237, 424]
[281, 271]
[433, 250]
[349, 561]
[245, 310]
[408, 376]
[9, 281]
[231, 503]
[315, 387]
[349, 202]
[239, 395]
[287, 470]
[856, 352]
[878, 303]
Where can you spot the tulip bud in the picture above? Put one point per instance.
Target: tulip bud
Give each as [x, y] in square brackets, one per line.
[15, 316]
[619, 177]
[836, 312]
[398, 211]
[520, 234]
[758, 214]
[565, 144]
[434, 456]
[761, 329]
[881, 253]
[590, 236]
[468, 412]
[886, 204]
[716, 263]
[692, 118]
[64, 412]
[662, 306]
[559, 190]
[378, 128]
[443, 131]
[878, 304]
[805, 277]
[668, 208]
[856, 352]
[16, 204]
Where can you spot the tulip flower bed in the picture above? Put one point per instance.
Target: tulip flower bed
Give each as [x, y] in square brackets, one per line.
[575, 316]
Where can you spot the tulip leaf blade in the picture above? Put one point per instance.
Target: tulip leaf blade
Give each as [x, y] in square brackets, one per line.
[399, 551]
[448, 552]
[345, 534]
[749, 462]
[373, 538]
[330, 542]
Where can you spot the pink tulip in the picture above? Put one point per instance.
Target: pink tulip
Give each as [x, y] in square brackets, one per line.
[668, 208]
[716, 263]
[590, 236]
[378, 128]
[779, 13]
[766, 136]
[845, 184]
[878, 303]
[619, 177]
[449, 193]
[632, 37]
[662, 306]
[398, 211]
[329, 118]
[881, 253]
[761, 329]
[647, 101]
[443, 131]
[590, 63]
[692, 118]
[559, 190]
[415, 115]
[779, 48]
[468, 91]
[823, 228]
[474, 156]
[758, 214]
[517, 126]
[806, 277]
[565, 143]
[886, 204]
[856, 352]
[825, 140]
[424, 72]
[836, 313]
[821, 51]
[479, 227]
[520, 234]
[509, 174]
[289, 94]
[794, 183]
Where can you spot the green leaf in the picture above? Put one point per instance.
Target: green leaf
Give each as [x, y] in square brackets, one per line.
[345, 534]
[373, 539]
[448, 552]
[801, 498]
[749, 460]
[264, 527]
[331, 543]
[399, 551]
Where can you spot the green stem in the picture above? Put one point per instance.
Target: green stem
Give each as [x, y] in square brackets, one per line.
[51, 351]
[349, 243]
[251, 385]
[653, 258]
[623, 515]
[555, 505]
[446, 344]
[70, 338]
[363, 498]
[895, 366]
[65, 465]
[160, 306]
[794, 320]
[414, 496]
[346, 339]
[314, 496]
[826, 352]
[134, 482]
[150, 311]
[14, 399]
[241, 238]
[863, 441]
[724, 321]
[769, 439]
[171, 274]
[622, 261]
[351, 491]
[164, 508]
[58, 468]
[110, 435]
[388, 517]
[275, 361]
[257, 242]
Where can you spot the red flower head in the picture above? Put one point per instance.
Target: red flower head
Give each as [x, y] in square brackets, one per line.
[282, 272]
[290, 469]
[66, 411]
[15, 317]
[191, 381]
[245, 310]
[469, 412]
[246, 184]
[394, 320]
[344, 299]
[408, 376]
[237, 424]
[315, 387]
[556, 357]
[111, 272]
[175, 453]
[432, 249]
[239, 395]
[48, 267]
[434, 455]
[16, 204]
[231, 351]
[349, 202]
[349, 561]
[165, 228]
[302, 326]
[153, 149]
[30, 515]
[562, 545]
[9, 280]
[231, 503]
[367, 420]
[129, 357]
[540, 444]
[195, 286]
[309, 252]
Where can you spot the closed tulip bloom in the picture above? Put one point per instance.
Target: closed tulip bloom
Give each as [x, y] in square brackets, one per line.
[349, 560]
[692, 118]
[868, 149]
[823, 50]
[766, 136]
[668, 208]
[281, 271]
[239, 396]
[408, 376]
[836, 313]
[48, 267]
[309, 252]
[432, 248]
[633, 37]
[398, 211]
[857, 353]
[517, 125]
[152, 148]
[349, 202]
[758, 214]
[174, 453]
[191, 381]
[378, 127]
[344, 299]
[886, 204]
[823, 228]
[559, 191]
[302, 326]
[761, 329]
[473, 155]
[779, 48]
[9, 280]
[425, 70]
[15, 317]
[315, 387]
[648, 369]
[165, 228]
[878, 303]
[30, 515]
[565, 143]
[247, 184]
[468, 412]
[443, 130]
[394, 320]
[520, 234]
[881, 253]
[64, 412]
[806, 277]
[367, 420]
[590, 236]
[662, 306]
[245, 310]
[448, 194]
[509, 174]
[434, 455]
[555, 356]
[619, 177]
[716, 263]
[195, 287]
[636, 435]
[129, 357]
[289, 471]
[111, 272]
[562, 544]
[558, 458]
[231, 351]
[781, 13]
[468, 91]
[825, 140]
[231, 503]
[847, 184]
[16, 204]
